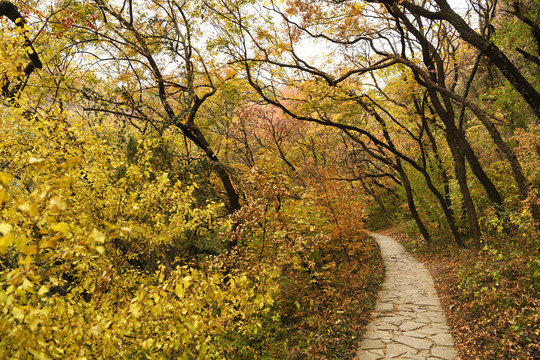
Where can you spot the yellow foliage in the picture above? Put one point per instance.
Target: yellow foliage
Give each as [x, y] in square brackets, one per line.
[66, 290]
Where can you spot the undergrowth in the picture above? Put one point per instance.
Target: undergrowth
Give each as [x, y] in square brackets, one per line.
[324, 302]
[491, 295]
[329, 306]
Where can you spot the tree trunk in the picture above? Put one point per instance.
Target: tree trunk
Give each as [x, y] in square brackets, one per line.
[465, 148]
[461, 175]
[448, 213]
[195, 134]
[438, 159]
[410, 202]
[372, 193]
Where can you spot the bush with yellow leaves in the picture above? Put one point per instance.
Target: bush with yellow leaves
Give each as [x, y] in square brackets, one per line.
[71, 226]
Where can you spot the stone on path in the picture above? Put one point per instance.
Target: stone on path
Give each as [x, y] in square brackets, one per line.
[408, 322]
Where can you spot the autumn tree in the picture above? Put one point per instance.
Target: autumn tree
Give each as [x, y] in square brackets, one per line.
[76, 215]
[392, 38]
[157, 72]
[444, 12]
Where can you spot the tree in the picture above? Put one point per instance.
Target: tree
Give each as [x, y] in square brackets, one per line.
[444, 11]
[394, 38]
[9, 90]
[161, 77]
[508, 69]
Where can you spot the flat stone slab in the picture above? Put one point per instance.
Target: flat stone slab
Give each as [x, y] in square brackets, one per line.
[444, 352]
[408, 321]
[416, 343]
[369, 344]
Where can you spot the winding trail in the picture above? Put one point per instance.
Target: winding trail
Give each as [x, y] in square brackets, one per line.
[408, 322]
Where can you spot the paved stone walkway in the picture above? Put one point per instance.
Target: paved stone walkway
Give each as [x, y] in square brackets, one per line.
[408, 322]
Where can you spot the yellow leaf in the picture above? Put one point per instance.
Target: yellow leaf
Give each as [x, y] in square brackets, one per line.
[60, 227]
[3, 197]
[35, 161]
[25, 207]
[32, 321]
[95, 330]
[72, 163]
[27, 284]
[27, 260]
[18, 313]
[49, 243]
[5, 228]
[179, 290]
[187, 281]
[135, 310]
[58, 204]
[97, 236]
[43, 290]
[5, 241]
[63, 182]
[100, 249]
[29, 250]
[77, 230]
[5, 179]
[147, 343]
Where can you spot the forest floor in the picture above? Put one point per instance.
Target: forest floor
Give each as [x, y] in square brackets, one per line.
[324, 310]
[408, 322]
[491, 296]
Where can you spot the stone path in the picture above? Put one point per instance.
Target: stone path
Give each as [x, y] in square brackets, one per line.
[408, 322]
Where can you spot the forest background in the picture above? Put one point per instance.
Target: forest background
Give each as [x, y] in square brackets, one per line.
[183, 179]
